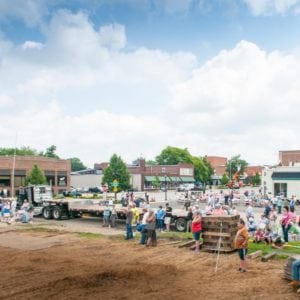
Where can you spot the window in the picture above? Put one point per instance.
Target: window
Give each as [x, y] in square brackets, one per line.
[163, 170]
[280, 188]
[62, 180]
[4, 181]
[19, 181]
[186, 171]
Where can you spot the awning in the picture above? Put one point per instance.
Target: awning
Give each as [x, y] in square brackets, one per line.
[286, 176]
[149, 178]
[187, 179]
[175, 179]
[160, 178]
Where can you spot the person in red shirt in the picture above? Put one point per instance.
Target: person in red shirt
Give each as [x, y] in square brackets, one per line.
[241, 244]
[196, 229]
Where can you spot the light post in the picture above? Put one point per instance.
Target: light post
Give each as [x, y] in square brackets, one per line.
[165, 187]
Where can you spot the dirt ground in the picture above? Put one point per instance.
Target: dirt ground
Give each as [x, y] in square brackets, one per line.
[60, 265]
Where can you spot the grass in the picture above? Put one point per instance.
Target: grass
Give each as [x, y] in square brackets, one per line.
[281, 253]
[40, 229]
[175, 236]
[89, 235]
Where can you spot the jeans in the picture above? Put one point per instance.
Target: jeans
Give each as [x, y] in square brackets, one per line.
[296, 270]
[160, 224]
[143, 235]
[285, 231]
[279, 209]
[129, 234]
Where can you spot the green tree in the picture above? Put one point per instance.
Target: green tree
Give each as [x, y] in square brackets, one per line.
[173, 156]
[224, 179]
[76, 164]
[50, 152]
[236, 164]
[156, 183]
[151, 163]
[201, 171]
[209, 167]
[256, 179]
[117, 169]
[36, 176]
[19, 151]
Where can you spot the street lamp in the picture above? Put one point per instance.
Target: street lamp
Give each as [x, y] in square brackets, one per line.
[165, 187]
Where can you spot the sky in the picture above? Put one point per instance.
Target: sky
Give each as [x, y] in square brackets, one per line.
[98, 77]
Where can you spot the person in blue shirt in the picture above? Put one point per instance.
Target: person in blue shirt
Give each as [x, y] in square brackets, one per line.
[160, 215]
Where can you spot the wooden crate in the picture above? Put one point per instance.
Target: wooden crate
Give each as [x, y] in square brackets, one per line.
[219, 233]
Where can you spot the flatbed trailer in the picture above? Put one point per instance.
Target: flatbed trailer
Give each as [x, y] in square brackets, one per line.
[69, 208]
[59, 209]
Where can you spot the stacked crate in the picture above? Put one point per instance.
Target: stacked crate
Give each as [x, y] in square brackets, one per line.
[219, 232]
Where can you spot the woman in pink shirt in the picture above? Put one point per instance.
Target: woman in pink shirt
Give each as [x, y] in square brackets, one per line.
[286, 223]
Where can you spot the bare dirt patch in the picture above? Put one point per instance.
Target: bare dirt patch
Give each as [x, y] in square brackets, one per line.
[107, 269]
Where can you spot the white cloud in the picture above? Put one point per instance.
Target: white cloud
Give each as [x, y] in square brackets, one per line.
[113, 36]
[31, 12]
[5, 101]
[32, 45]
[268, 7]
[244, 100]
[245, 97]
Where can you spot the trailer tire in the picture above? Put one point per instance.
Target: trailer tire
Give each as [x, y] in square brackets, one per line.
[47, 213]
[180, 224]
[57, 213]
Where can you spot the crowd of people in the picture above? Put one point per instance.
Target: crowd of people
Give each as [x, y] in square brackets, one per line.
[9, 212]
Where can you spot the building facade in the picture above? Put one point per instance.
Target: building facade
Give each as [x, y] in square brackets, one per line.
[282, 180]
[289, 157]
[218, 164]
[13, 172]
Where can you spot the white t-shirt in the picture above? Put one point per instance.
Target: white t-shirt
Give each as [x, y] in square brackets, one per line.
[145, 216]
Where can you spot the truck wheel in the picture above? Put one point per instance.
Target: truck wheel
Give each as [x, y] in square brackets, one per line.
[180, 224]
[57, 213]
[47, 213]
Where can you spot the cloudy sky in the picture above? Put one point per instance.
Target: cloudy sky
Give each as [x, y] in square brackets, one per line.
[98, 77]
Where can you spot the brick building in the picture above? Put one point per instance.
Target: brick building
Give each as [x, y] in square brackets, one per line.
[143, 176]
[218, 164]
[289, 157]
[57, 172]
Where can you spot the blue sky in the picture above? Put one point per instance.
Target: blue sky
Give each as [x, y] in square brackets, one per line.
[218, 77]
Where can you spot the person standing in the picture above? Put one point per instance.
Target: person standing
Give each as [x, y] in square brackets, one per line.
[150, 226]
[286, 222]
[113, 216]
[129, 217]
[279, 204]
[106, 216]
[160, 215]
[143, 226]
[168, 216]
[292, 204]
[189, 219]
[196, 229]
[241, 244]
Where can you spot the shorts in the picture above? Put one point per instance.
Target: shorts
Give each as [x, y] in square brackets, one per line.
[197, 235]
[167, 220]
[242, 253]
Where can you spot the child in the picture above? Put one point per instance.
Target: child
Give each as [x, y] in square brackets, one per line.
[241, 243]
[259, 235]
